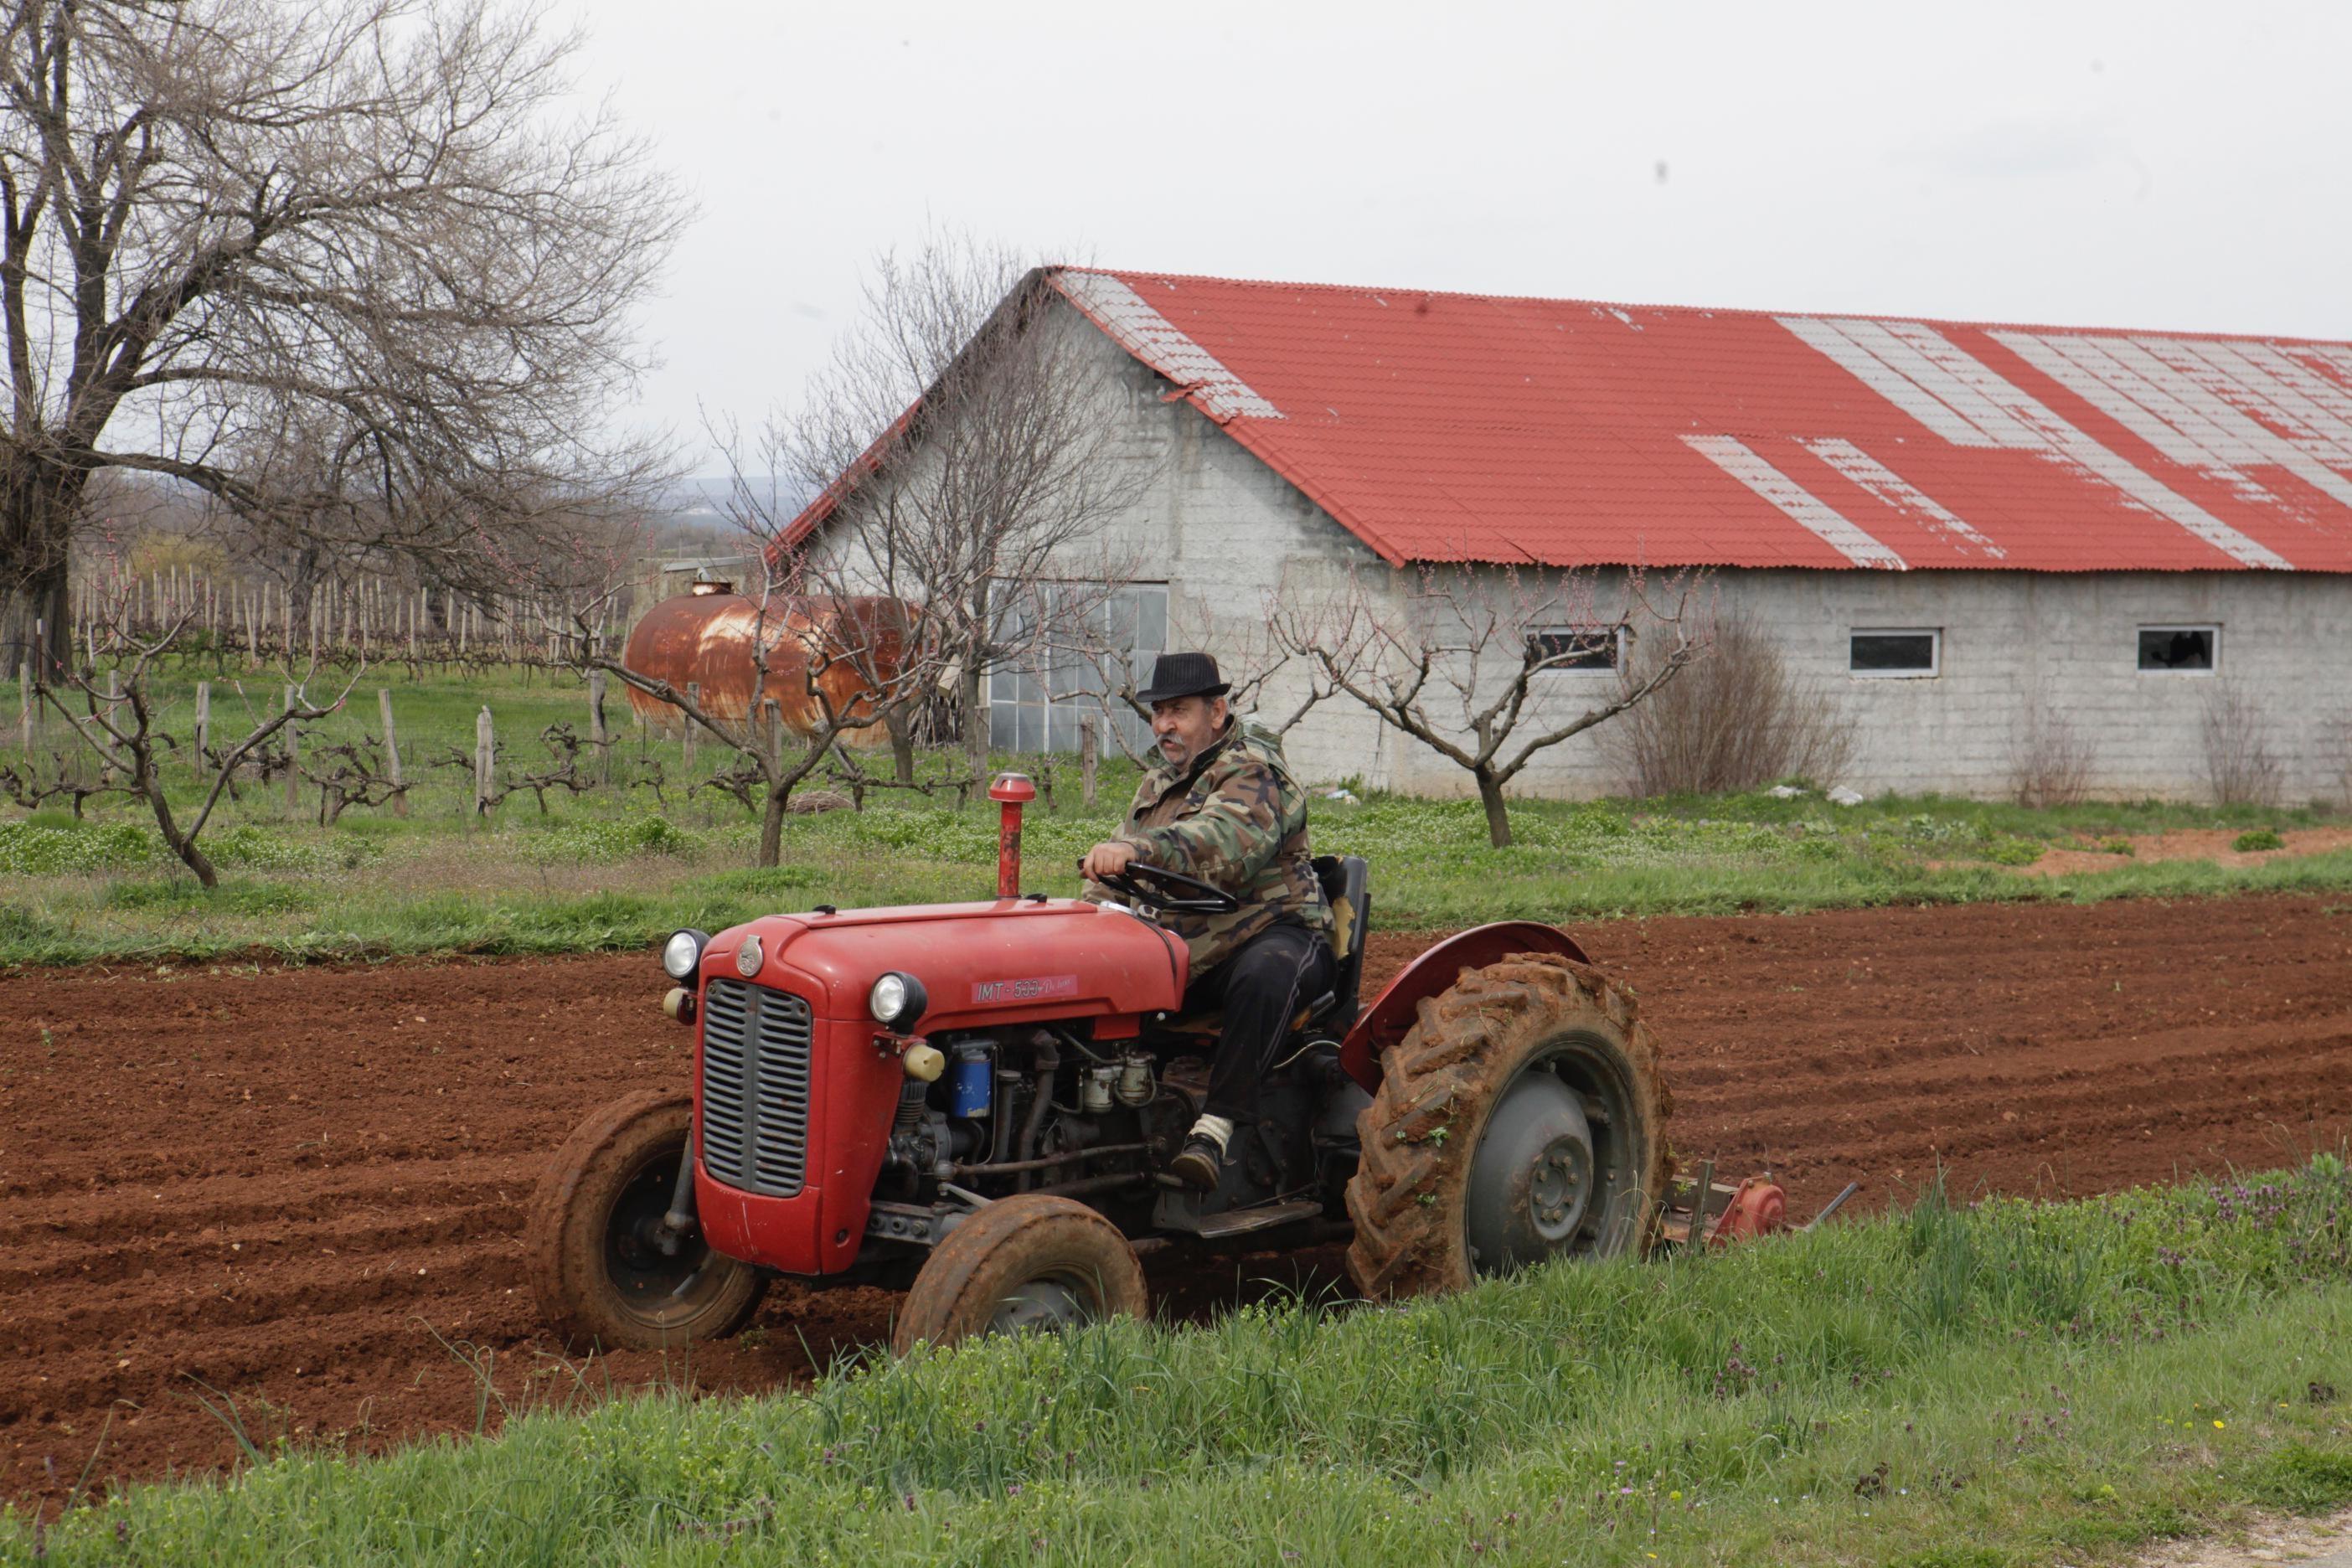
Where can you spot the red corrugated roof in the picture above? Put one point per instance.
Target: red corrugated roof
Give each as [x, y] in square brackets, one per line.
[1453, 427]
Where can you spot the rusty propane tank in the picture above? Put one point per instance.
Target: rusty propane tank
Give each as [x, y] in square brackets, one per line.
[711, 637]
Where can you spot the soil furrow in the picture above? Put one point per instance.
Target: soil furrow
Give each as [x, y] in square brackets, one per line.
[302, 1188]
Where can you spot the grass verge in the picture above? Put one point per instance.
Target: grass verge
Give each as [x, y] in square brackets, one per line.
[581, 883]
[2012, 1384]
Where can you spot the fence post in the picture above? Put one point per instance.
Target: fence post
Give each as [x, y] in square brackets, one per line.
[597, 733]
[1089, 756]
[486, 761]
[204, 726]
[293, 757]
[390, 751]
[693, 695]
[106, 731]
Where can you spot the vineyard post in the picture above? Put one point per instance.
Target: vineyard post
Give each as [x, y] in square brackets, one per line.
[390, 751]
[1089, 757]
[203, 733]
[775, 732]
[24, 706]
[293, 754]
[693, 695]
[597, 732]
[486, 755]
[113, 701]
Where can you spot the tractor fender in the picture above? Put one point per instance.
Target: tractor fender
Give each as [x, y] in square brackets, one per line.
[1389, 1019]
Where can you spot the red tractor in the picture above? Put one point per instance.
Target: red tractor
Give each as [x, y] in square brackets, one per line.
[975, 1102]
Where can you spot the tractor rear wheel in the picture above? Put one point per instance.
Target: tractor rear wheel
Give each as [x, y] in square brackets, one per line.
[1028, 1262]
[595, 1252]
[1523, 1118]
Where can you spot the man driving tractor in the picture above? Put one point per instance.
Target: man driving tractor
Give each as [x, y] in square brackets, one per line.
[1223, 807]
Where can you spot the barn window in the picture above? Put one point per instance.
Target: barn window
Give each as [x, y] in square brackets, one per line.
[2179, 650]
[1588, 650]
[1096, 636]
[1895, 652]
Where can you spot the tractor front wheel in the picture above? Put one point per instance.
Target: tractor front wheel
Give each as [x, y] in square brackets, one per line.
[1522, 1119]
[1024, 1263]
[594, 1247]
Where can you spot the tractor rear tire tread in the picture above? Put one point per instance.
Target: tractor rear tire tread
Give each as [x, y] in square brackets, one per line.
[1438, 1087]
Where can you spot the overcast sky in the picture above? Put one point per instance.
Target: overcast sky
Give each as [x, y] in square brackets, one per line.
[2129, 165]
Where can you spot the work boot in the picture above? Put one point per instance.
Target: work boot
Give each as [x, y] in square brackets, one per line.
[1204, 1155]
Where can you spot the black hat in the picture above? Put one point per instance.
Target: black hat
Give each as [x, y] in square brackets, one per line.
[1175, 675]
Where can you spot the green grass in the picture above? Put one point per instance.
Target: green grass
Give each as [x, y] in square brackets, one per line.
[617, 867]
[581, 883]
[2012, 1384]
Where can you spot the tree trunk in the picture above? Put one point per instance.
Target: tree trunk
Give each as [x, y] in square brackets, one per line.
[1499, 820]
[902, 744]
[301, 595]
[771, 824]
[39, 604]
[39, 501]
[971, 695]
[183, 846]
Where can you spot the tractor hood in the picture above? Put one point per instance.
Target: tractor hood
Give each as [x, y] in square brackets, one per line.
[1007, 961]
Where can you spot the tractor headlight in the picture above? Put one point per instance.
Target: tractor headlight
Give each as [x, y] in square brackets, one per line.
[896, 1001]
[682, 954]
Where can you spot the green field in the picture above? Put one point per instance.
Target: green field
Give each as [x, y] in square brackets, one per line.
[1948, 1387]
[620, 864]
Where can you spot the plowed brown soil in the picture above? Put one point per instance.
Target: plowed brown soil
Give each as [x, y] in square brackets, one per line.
[299, 1190]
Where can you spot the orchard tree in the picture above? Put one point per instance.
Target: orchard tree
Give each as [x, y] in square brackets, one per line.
[350, 267]
[1467, 659]
[966, 450]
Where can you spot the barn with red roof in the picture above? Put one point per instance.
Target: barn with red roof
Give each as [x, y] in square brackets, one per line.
[1956, 535]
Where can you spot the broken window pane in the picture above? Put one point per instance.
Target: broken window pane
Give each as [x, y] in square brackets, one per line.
[2181, 650]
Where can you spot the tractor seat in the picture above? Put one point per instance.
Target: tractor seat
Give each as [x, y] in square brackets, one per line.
[1345, 879]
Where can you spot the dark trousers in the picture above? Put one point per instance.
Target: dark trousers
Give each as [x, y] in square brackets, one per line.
[1261, 985]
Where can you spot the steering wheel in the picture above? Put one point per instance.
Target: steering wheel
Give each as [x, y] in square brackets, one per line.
[1157, 887]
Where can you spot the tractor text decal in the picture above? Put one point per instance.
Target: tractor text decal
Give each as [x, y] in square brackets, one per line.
[1040, 989]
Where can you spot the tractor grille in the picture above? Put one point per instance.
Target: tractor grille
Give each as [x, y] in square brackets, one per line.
[755, 1086]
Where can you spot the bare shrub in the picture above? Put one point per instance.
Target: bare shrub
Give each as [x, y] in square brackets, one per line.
[2335, 754]
[2241, 764]
[2049, 761]
[1735, 720]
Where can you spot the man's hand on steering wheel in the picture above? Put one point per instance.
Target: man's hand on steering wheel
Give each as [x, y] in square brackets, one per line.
[1153, 887]
[1107, 859]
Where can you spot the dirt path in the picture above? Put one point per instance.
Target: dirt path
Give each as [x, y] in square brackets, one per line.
[301, 1188]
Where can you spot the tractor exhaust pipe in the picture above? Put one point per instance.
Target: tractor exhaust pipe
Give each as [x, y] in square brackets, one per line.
[1012, 792]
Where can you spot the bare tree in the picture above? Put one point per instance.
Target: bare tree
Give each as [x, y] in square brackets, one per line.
[966, 443]
[345, 267]
[2241, 761]
[1738, 720]
[827, 659]
[1464, 659]
[120, 724]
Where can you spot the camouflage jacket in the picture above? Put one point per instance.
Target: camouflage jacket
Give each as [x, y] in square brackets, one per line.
[1235, 819]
